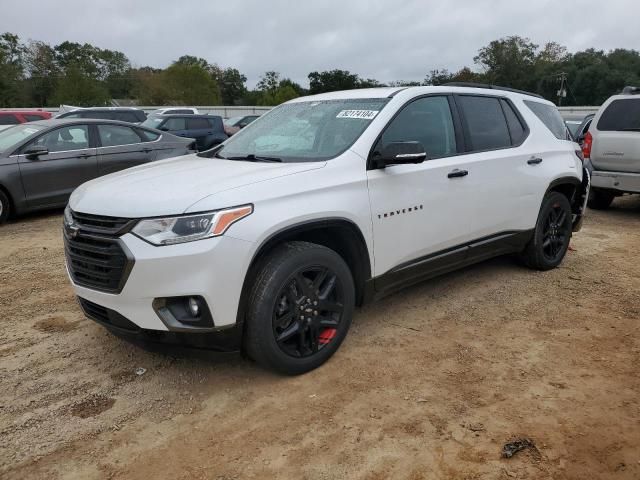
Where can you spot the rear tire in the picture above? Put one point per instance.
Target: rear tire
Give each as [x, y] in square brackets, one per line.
[5, 207]
[552, 234]
[600, 199]
[300, 308]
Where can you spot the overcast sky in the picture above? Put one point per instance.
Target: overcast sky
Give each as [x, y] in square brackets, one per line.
[382, 39]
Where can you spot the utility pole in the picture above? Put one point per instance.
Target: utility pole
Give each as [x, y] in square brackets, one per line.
[562, 91]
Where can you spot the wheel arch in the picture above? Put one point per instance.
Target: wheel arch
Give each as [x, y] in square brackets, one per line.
[575, 190]
[339, 234]
[12, 203]
[568, 186]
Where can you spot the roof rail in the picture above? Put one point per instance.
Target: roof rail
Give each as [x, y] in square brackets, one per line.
[631, 91]
[491, 87]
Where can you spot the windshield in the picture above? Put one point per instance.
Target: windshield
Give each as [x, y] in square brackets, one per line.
[152, 121]
[304, 131]
[13, 135]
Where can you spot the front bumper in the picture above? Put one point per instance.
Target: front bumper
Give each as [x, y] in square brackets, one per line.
[620, 181]
[224, 340]
[213, 269]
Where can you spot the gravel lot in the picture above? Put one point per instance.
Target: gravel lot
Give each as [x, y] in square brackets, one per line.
[430, 383]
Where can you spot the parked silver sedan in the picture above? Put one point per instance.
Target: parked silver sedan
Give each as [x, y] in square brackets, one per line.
[42, 162]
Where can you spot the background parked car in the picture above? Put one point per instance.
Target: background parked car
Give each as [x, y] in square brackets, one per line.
[611, 148]
[207, 130]
[175, 111]
[583, 128]
[10, 117]
[41, 163]
[235, 124]
[124, 114]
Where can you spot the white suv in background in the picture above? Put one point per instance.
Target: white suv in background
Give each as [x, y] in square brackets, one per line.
[611, 148]
[267, 242]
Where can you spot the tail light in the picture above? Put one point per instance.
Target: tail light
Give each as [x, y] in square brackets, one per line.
[587, 143]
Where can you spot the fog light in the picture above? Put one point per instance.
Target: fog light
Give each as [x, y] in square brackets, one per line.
[194, 307]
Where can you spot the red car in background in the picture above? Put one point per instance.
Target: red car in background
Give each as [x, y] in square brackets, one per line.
[14, 117]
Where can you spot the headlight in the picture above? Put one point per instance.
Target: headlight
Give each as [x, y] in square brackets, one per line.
[187, 228]
[68, 219]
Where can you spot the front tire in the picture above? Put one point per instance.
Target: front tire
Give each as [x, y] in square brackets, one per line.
[600, 199]
[552, 233]
[300, 308]
[5, 207]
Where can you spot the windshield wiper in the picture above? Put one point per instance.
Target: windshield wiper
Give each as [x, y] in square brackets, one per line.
[255, 158]
[635, 129]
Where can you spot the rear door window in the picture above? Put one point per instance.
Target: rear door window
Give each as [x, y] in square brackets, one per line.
[175, 124]
[197, 124]
[485, 123]
[550, 116]
[621, 115]
[114, 135]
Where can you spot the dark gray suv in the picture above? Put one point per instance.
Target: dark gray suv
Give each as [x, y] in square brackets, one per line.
[41, 163]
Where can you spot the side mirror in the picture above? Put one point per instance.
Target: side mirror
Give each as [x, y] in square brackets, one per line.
[398, 153]
[32, 153]
[163, 129]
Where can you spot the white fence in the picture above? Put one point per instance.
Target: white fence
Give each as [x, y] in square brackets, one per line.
[224, 112]
[228, 112]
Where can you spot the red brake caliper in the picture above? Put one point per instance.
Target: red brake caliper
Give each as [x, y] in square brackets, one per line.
[326, 335]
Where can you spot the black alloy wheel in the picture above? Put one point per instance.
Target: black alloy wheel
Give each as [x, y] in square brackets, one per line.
[300, 307]
[308, 311]
[556, 233]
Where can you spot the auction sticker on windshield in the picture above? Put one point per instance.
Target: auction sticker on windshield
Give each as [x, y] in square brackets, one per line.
[363, 114]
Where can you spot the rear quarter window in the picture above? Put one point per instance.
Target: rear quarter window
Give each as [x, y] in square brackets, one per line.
[550, 116]
[621, 115]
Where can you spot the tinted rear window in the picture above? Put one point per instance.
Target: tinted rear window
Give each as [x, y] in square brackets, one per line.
[550, 116]
[486, 125]
[621, 115]
[197, 124]
[126, 117]
[8, 119]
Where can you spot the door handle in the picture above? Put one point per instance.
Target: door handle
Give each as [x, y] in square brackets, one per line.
[146, 150]
[457, 173]
[534, 161]
[83, 155]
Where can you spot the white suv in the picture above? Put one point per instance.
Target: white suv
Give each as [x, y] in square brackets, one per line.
[267, 242]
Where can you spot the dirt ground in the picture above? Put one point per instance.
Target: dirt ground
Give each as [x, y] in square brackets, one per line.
[430, 383]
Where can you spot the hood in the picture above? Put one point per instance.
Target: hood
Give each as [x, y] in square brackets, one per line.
[170, 187]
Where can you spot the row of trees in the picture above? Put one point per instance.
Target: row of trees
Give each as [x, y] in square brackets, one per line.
[37, 74]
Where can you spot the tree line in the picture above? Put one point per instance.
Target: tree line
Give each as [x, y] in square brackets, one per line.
[36, 74]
